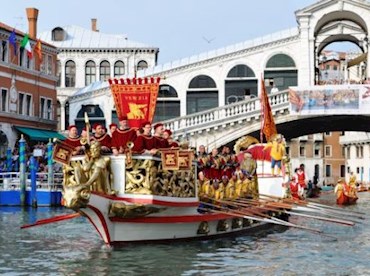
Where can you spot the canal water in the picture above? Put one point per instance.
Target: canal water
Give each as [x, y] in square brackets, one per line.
[74, 248]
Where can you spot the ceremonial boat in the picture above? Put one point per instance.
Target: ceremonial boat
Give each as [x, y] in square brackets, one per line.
[139, 200]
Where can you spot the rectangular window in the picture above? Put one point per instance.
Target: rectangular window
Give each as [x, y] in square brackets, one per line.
[348, 169]
[335, 67]
[342, 170]
[49, 65]
[359, 151]
[42, 65]
[302, 151]
[348, 152]
[49, 110]
[327, 67]
[327, 133]
[20, 103]
[28, 105]
[4, 50]
[327, 170]
[327, 151]
[4, 100]
[317, 150]
[42, 108]
[358, 170]
[343, 151]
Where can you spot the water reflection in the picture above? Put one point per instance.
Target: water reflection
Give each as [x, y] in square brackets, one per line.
[73, 248]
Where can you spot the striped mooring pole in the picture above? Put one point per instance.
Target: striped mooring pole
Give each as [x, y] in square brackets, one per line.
[50, 163]
[22, 169]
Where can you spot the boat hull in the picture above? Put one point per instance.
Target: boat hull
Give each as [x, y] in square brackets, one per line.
[173, 223]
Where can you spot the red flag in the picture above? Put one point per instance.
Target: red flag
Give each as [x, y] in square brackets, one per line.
[136, 99]
[38, 49]
[268, 124]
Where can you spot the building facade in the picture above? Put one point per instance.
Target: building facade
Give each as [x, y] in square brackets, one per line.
[28, 86]
[89, 56]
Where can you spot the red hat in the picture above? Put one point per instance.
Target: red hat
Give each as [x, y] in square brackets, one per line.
[145, 123]
[84, 129]
[122, 117]
[96, 125]
[158, 125]
[112, 125]
[168, 131]
[71, 126]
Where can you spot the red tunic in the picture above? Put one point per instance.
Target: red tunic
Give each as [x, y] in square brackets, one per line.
[73, 142]
[294, 188]
[144, 142]
[161, 143]
[173, 144]
[301, 177]
[105, 140]
[120, 138]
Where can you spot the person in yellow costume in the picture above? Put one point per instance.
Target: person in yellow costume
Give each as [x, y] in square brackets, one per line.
[277, 153]
[230, 192]
[352, 180]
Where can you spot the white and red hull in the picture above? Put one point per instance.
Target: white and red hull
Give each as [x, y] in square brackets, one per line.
[179, 221]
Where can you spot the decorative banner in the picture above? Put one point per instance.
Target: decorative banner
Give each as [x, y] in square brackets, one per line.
[185, 159]
[136, 98]
[170, 159]
[62, 153]
[268, 126]
[330, 99]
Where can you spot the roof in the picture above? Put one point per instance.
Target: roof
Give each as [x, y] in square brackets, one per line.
[81, 38]
[92, 87]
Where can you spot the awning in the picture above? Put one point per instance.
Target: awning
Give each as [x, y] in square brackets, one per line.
[40, 134]
[357, 60]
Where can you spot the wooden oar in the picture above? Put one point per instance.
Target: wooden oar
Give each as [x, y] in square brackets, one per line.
[51, 220]
[335, 208]
[247, 216]
[328, 212]
[340, 221]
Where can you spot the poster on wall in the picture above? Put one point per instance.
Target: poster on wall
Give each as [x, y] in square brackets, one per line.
[330, 99]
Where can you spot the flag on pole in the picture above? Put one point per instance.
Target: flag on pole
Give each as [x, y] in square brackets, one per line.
[268, 124]
[13, 41]
[38, 49]
[25, 43]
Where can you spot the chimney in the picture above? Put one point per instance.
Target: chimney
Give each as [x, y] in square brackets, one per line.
[93, 25]
[32, 14]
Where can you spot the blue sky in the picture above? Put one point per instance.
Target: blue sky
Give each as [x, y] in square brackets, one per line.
[178, 28]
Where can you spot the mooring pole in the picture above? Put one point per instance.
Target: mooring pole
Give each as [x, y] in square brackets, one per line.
[22, 169]
[50, 164]
[33, 169]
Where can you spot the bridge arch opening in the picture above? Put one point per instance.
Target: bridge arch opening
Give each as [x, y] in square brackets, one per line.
[202, 94]
[168, 103]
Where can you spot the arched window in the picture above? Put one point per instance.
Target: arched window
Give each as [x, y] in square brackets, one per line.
[94, 112]
[142, 65]
[280, 72]
[202, 94]
[59, 73]
[168, 104]
[90, 72]
[119, 68]
[104, 70]
[70, 75]
[241, 84]
[57, 34]
[280, 60]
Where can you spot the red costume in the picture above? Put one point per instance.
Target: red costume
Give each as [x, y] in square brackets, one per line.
[144, 142]
[121, 137]
[160, 143]
[73, 142]
[294, 189]
[105, 140]
[301, 178]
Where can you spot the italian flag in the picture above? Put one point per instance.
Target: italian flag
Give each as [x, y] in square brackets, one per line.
[25, 43]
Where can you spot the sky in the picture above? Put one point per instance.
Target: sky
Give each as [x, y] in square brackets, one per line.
[178, 28]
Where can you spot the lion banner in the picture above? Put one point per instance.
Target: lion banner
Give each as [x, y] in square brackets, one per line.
[136, 98]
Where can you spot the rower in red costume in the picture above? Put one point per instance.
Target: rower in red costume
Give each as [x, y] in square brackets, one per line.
[112, 128]
[122, 135]
[301, 177]
[145, 143]
[167, 134]
[73, 139]
[295, 189]
[160, 142]
[102, 137]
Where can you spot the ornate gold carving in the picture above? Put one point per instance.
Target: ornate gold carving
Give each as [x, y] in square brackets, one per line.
[122, 210]
[203, 228]
[148, 177]
[244, 143]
